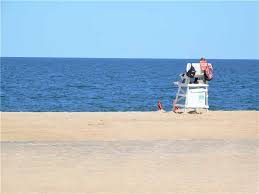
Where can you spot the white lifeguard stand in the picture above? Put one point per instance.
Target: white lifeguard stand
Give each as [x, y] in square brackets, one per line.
[192, 95]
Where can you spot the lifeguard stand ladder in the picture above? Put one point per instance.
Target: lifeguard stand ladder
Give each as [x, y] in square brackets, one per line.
[192, 96]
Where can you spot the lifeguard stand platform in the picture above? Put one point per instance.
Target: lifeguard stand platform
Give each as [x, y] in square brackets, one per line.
[192, 91]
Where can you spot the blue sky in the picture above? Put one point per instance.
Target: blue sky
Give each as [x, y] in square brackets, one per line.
[130, 29]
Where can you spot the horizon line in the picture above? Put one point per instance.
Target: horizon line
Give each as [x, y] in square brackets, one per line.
[129, 58]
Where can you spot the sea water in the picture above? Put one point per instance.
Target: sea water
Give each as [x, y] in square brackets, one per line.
[89, 84]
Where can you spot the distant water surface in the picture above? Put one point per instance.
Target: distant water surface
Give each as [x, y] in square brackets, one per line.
[87, 84]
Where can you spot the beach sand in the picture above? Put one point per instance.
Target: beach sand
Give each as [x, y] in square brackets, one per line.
[130, 152]
[67, 126]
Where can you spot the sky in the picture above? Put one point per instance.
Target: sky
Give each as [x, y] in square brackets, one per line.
[216, 29]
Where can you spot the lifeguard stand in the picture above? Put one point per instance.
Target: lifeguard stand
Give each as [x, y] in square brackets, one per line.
[192, 92]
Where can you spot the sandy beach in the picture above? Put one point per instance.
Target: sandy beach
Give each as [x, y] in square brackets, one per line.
[130, 152]
[108, 126]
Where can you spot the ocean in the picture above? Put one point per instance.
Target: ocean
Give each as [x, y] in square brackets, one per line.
[101, 85]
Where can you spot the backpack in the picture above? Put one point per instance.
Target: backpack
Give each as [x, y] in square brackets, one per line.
[191, 72]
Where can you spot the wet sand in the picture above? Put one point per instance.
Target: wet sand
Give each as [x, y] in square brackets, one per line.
[54, 153]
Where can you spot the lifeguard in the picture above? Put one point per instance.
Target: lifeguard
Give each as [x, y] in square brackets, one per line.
[207, 68]
[203, 64]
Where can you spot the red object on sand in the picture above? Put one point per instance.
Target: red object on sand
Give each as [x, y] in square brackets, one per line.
[159, 105]
[175, 108]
